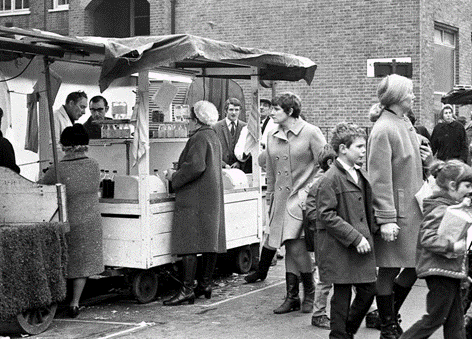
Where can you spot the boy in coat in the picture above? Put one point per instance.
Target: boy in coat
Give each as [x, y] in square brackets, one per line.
[344, 222]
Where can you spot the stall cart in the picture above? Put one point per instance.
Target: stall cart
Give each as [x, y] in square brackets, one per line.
[137, 228]
[32, 253]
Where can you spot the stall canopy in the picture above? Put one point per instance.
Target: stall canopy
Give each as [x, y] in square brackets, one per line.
[461, 96]
[120, 57]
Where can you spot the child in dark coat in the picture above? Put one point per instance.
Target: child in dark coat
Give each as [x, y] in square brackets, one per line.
[441, 261]
[345, 223]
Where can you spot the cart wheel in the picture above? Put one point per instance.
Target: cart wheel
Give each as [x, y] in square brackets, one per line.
[35, 321]
[243, 259]
[144, 286]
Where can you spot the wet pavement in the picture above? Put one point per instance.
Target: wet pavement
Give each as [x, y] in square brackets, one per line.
[236, 310]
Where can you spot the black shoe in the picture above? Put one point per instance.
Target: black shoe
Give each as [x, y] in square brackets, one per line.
[321, 321]
[289, 305]
[372, 320]
[202, 290]
[308, 292]
[184, 295]
[73, 311]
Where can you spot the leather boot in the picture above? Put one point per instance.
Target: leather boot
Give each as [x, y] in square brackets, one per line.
[264, 264]
[388, 323]
[185, 293]
[292, 301]
[399, 295]
[308, 292]
[208, 266]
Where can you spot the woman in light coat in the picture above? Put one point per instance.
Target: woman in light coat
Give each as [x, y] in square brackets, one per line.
[199, 223]
[394, 162]
[292, 151]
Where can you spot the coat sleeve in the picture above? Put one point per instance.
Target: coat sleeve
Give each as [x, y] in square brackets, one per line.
[337, 227]
[317, 142]
[379, 164]
[435, 140]
[240, 146]
[464, 146]
[193, 166]
[310, 211]
[429, 237]
[270, 176]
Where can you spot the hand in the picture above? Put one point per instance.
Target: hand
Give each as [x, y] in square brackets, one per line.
[235, 165]
[363, 247]
[425, 152]
[459, 246]
[168, 173]
[389, 231]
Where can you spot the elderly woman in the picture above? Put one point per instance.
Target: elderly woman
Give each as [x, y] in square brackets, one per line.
[199, 223]
[292, 151]
[394, 162]
[81, 176]
[449, 139]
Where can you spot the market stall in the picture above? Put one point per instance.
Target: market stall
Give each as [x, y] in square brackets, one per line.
[137, 220]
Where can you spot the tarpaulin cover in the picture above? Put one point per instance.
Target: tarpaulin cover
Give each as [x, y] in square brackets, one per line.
[125, 56]
[460, 96]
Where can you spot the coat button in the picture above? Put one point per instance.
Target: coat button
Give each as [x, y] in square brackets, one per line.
[287, 188]
[278, 173]
[360, 198]
[362, 219]
[285, 157]
[286, 172]
[276, 158]
[280, 188]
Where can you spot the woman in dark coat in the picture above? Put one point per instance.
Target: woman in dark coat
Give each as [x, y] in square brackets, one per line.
[81, 176]
[449, 139]
[199, 223]
[394, 162]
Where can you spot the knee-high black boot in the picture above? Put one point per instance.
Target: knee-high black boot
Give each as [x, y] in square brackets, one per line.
[399, 295]
[308, 292]
[388, 321]
[292, 301]
[264, 264]
[185, 293]
[204, 284]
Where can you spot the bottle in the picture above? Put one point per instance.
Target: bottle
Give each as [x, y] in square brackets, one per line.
[100, 190]
[157, 184]
[106, 185]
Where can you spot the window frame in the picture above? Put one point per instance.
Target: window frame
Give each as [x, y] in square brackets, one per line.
[13, 10]
[57, 7]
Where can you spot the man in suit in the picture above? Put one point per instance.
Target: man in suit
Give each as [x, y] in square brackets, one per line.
[228, 131]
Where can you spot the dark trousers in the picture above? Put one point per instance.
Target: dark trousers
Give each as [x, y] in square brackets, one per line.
[346, 318]
[443, 307]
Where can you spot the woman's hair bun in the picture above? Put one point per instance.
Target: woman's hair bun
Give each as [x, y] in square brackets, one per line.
[436, 167]
[75, 135]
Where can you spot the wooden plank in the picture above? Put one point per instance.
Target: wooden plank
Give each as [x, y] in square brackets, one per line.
[24, 201]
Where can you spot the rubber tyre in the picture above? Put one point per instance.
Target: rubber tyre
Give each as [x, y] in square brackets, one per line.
[243, 259]
[31, 322]
[144, 286]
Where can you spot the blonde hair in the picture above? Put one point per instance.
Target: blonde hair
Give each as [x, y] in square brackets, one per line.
[392, 90]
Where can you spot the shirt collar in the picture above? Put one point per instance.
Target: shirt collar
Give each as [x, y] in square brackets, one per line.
[228, 122]
[347, 167]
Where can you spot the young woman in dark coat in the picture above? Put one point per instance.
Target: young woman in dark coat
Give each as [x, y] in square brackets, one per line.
[199, 222]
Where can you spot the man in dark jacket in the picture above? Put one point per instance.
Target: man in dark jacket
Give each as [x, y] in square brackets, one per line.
[228, 131]
[7, 153]
[98, 106]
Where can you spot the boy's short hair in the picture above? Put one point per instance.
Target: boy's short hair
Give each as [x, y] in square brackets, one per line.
[345, 133]
[327, 153]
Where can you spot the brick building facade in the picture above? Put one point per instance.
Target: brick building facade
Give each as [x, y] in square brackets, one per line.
[344, 37]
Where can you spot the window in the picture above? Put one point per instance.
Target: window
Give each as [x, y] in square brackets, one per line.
[444, 64]
[60, 4]
[14, 6]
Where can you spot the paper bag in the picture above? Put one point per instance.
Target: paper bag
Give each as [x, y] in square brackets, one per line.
[425, 191]
[455, 223]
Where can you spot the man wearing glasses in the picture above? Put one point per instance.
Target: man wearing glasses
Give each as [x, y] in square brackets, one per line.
[98, 106]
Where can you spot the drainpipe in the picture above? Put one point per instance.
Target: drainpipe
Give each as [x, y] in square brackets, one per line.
[173, 4]
[45, 14]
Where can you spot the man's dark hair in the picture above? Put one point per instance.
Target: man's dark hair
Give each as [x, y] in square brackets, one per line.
[75, 96]
[96, 99]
